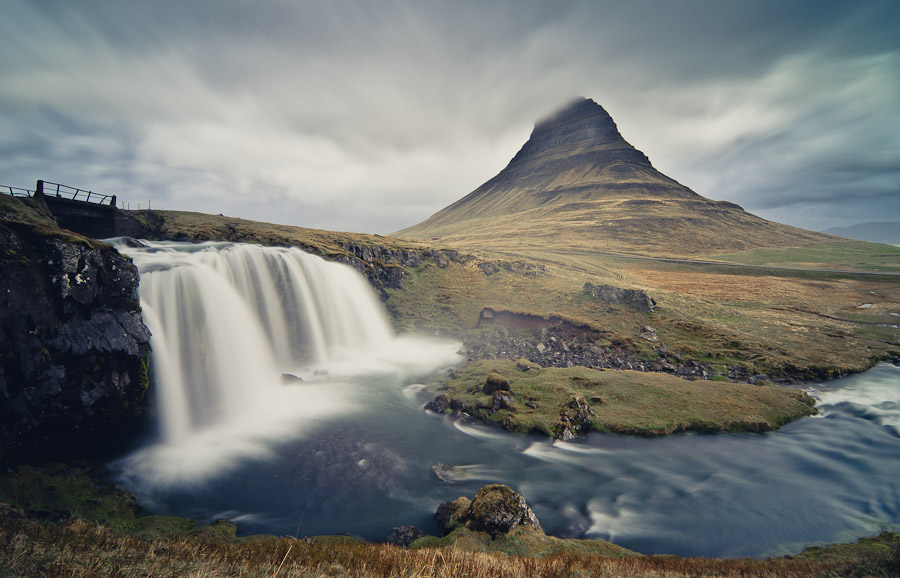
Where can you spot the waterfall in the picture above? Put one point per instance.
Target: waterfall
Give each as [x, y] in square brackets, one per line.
[227, 321]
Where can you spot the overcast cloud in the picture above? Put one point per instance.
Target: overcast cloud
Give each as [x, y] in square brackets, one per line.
[370, 116]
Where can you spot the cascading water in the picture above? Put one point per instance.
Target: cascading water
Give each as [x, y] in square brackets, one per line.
[228, 321]
[352, 451]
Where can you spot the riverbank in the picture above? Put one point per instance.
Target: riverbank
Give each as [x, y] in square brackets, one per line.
[84, 527]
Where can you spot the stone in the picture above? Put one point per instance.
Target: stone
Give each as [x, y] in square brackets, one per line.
[495, 382]
[290, 379]
[501, 400]
[634, 298]
[440, 404]
[452, 514]
[497, 509]
[75, 351]
[403, 535]
[575, 418]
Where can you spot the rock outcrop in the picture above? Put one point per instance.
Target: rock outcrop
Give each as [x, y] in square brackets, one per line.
[74, 352]
[496, 510]
[634, 298]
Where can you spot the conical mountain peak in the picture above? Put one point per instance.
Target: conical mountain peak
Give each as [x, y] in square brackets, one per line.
[581, 126]
[578, 184]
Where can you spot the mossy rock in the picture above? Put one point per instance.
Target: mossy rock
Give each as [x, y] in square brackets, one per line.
[495, 382]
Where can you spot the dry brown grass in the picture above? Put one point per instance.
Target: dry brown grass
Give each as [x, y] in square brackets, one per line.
[80, 549]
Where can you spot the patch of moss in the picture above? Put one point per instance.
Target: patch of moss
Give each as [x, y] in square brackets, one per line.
[624, 401]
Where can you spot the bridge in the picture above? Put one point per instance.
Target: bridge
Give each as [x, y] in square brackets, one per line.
[82, 211]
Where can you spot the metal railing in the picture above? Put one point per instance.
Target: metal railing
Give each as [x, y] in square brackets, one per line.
[61, 191]
[15, 191]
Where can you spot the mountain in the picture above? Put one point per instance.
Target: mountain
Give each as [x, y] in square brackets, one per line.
[872, 232]
[578, 185]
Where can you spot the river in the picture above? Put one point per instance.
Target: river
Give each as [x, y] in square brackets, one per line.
[349, 449]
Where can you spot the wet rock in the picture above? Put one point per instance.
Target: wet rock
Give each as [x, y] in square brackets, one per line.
[74, 351]
[403, 535]
[452, 514]
[450, 474]
[440, 404]
[290, 379]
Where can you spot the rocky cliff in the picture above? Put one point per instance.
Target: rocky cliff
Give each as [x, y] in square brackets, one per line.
[74, 351]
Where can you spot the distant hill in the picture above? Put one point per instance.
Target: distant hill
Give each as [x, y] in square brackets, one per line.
[577, 184]
[872, 232]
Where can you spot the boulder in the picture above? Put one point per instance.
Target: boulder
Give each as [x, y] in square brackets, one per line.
[496, 510]
[440, 404]
[634, 298]
[495, 382]
[403, 535]
[452, 514]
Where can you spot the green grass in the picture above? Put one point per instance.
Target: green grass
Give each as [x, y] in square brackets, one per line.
[839, 254]
[625, 401]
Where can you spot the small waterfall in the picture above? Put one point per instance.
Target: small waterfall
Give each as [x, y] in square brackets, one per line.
[228, 320]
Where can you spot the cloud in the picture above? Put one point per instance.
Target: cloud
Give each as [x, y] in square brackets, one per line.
[370, 117]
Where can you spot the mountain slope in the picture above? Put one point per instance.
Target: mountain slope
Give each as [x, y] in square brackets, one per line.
[871, 232]
[577, 184]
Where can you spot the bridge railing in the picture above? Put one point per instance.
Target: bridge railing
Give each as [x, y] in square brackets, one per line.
[73, 193]
[15, 191]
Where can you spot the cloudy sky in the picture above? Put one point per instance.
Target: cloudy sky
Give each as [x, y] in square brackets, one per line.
[369, 116]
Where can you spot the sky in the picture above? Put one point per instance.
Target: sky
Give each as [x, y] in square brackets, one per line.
[369, 116]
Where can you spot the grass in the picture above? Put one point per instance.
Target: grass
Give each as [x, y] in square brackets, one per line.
[102, 534]
[627, 402]
[799, 324]
[837, 254]
[82, 549]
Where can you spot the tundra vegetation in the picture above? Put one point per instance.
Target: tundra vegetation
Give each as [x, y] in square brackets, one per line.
[740, 304]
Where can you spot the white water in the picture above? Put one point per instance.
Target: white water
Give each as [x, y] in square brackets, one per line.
[227, 321]
[352, 451]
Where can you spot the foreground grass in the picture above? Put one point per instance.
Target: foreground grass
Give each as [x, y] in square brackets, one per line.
[66, 523]
[84, 549]
[628, 402]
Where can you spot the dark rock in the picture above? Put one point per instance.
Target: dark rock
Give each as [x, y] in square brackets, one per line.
[449, 474]
[452, 514]
[403, 535]
[440, 404]
[501, 400]
[133, 243]
[759, 379]
[574, 418]
[497, 509]
[74, 352]
[634, 298]
[495, 382]
[290, 379]
[489, 268]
